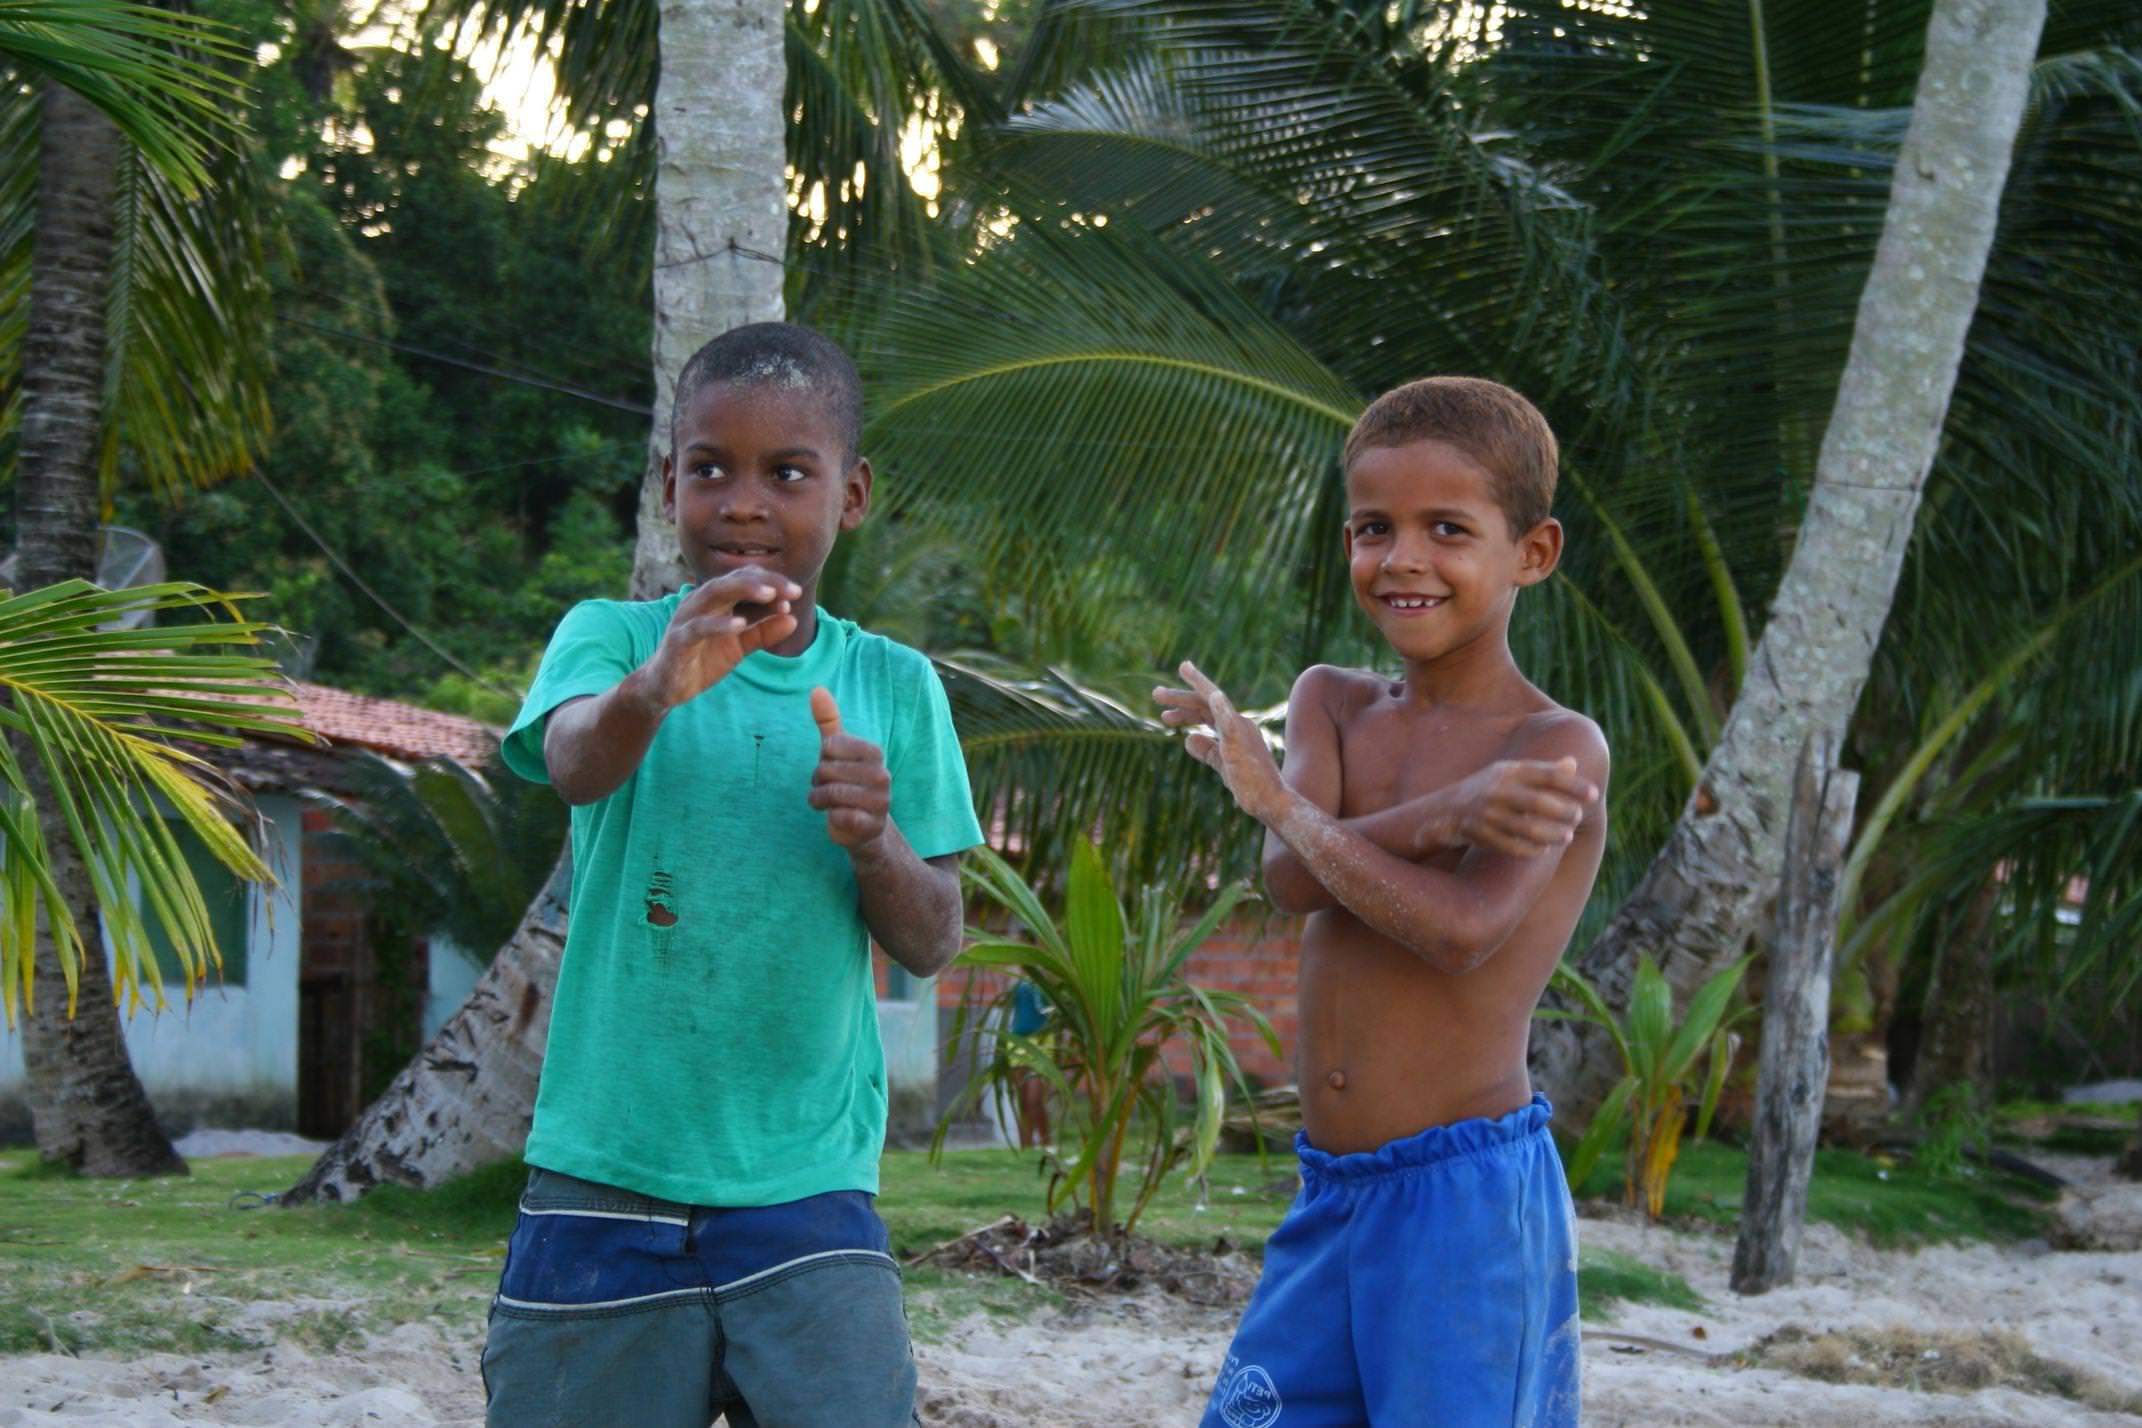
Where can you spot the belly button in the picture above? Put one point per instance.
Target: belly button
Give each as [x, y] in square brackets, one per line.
[1336, 1080]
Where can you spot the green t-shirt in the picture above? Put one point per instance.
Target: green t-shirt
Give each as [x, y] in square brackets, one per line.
[714, 1038]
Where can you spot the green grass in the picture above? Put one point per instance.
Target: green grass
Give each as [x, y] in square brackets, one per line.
[938, 1299]
[925, 1205]
[119, 1266]
[1607, 1277]
[1892, 1204]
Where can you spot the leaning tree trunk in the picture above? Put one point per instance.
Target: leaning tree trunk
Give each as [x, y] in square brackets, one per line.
[466, 1099]
[1698, 905]
[86, 1103]
[721, 222]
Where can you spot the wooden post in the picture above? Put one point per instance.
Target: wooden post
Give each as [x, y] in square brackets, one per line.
[1795, 1061]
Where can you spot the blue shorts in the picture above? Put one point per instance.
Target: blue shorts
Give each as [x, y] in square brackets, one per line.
[1431, 1283]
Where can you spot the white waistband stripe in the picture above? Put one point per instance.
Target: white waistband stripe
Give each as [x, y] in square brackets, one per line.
[601, 1303]
[806, 1259]
[610, 1215]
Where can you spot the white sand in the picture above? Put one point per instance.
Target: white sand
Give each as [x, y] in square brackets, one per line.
[1149, 1361]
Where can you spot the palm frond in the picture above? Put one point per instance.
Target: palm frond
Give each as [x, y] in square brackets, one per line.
[860, 73]
[1055, 762]
[170, 81]
[102, 714]
[186, 305]
[186, 327]
[2069, 872]
[1128, 424]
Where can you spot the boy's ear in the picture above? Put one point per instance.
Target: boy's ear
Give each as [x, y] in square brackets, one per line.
[669, 486]
[1539, 551]
[855, 494]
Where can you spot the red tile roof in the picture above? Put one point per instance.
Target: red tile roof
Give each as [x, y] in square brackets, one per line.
[390, 727]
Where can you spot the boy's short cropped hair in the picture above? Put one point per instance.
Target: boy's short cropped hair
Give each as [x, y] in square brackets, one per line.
[779, 354]
[1487, 421]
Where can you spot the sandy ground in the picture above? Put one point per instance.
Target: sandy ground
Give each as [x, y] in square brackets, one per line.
[1149, 1361]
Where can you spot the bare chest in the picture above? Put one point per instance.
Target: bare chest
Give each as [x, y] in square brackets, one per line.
[1389, 753]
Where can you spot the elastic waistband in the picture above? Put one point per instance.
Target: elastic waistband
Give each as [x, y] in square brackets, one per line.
[1436, 1143]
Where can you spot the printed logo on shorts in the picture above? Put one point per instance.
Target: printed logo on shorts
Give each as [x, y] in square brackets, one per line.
[1246, 1396]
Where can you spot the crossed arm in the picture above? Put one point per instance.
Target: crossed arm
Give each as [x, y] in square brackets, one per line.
[1512, 818]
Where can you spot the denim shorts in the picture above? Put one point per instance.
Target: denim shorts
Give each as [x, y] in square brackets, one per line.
[617, 1310]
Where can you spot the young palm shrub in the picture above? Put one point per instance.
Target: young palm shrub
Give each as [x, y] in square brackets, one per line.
[1658, 1060]
[1117, 1000]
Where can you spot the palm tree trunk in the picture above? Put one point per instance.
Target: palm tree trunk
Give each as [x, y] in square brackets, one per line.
[86, 1103]
[1702, 898]
[721, 213]
[721, 225]
[1956, 1041]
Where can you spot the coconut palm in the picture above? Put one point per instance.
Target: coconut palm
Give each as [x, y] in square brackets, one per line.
[691, 120]
[128, 312]
[146, 69]
[1660, 223]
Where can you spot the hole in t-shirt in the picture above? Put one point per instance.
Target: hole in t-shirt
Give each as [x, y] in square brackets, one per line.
[661, 901]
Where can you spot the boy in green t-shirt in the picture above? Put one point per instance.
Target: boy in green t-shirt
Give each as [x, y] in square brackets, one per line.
[759, 789]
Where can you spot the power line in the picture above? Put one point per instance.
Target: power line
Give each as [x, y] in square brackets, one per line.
[357, 580]
[564, 388]
[584, 360]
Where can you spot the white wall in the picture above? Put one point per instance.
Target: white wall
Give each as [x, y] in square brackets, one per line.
[231, 1057]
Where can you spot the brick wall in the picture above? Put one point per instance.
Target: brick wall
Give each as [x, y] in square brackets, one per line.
[334, 919]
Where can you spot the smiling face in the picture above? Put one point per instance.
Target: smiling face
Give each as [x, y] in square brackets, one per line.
[759, 475]
[1434, 563]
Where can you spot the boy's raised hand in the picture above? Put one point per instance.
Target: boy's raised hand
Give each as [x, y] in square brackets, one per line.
[1522, 807]
[851, 783]
[715, 627]
[1235, 747]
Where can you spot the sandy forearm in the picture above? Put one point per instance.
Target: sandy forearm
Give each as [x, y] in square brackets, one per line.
[1425, 910]
[1412, 830]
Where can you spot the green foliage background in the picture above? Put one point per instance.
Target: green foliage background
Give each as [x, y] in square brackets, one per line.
[401, 244]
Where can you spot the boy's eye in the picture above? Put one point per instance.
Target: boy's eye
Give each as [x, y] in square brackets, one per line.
[790, 473]
[1449, 528]
[1371, 528]
[707, 471]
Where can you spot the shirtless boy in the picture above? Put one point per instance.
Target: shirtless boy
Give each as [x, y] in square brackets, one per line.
[1441, 830]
